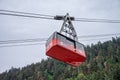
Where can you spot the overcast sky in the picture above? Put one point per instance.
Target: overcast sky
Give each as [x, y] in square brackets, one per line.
[12, 28]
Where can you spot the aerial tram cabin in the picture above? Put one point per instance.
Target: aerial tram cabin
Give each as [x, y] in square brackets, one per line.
[64, 45]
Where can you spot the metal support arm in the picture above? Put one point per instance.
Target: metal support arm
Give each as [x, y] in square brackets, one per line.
[67, 26]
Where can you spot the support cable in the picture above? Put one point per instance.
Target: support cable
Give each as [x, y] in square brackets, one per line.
[43, 16]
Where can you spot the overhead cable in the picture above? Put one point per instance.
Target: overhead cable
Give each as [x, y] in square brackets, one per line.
[97, 20]
[85, 37]
[98, 35]
[42, 16]
[22, 15]
[21, 45]
[26, 13]
[17, 45]
[23, 41]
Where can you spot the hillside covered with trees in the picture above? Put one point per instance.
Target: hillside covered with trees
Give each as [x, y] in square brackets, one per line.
[102, 63]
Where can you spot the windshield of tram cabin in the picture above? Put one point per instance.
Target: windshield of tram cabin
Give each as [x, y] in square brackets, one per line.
[66, 42]
[79, 47]
[50, 38]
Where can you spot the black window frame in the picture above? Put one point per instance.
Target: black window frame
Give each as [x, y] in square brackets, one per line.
[65, 39]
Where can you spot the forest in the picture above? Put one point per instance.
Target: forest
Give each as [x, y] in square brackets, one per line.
[102, 63]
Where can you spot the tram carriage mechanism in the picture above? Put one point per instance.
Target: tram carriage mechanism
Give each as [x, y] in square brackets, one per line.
[64, 45]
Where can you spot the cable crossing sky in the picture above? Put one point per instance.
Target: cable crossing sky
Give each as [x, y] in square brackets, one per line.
[41, 41]
[42, 16]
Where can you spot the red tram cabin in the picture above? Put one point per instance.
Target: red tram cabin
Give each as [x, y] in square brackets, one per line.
[65, 49]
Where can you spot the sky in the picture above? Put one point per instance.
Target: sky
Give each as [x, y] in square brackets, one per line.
[12, 28]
